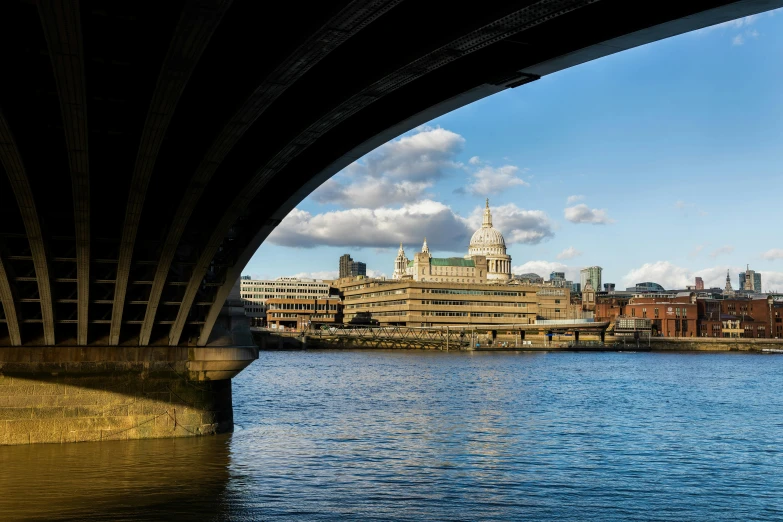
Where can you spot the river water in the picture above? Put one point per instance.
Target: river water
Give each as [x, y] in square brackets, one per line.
[381, 435]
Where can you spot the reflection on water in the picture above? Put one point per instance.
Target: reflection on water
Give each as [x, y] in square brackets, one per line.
[418, 435]
[118, 480]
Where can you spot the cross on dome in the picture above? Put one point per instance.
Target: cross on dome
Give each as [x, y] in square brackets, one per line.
[487, 217]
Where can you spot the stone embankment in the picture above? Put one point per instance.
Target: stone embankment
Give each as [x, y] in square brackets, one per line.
[297, 341]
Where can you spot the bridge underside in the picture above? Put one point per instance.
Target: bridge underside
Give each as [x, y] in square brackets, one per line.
[148, 148]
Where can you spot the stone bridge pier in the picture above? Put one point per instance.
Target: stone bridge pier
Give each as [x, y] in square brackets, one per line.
[93, 393]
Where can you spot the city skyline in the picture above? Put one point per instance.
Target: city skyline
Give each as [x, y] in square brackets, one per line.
[644, 165]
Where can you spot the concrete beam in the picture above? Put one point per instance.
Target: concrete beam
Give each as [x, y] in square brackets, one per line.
[9, 307]
[61, 21]
[20, 184]
[191, 37]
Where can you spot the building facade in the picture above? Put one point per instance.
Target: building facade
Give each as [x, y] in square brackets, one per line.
[303, 313]
[433, 303]
[699, 283]
[671, 315]
[351, 268]
[592, 274]
[486, 261]
[646, 287]
[255, 293]
[759, 317]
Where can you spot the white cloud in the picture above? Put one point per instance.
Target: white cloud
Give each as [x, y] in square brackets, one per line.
[680, 204]
[544, 268]
[490, 180]
[664, 273]
[737, 40]
[583, 214]
[725, 249]
[773, 254]
[574, 198]
[673, 277]
[569, 253]
[381, 227]
[384, 227]
[370, 192]
[475, 160]
[399, 171]
[518, 225]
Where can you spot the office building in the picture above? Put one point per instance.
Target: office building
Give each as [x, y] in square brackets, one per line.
[351, 268]
[302, 313]
[645, 288]
[430, 303]
[699, 283]
[256, 293]
[592, 274]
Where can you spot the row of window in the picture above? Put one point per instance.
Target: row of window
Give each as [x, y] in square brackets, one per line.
[475, 303]
[301, 306]
[473, 292]
[377, 294]
[373, 305]
[470, 314]
[280, 283]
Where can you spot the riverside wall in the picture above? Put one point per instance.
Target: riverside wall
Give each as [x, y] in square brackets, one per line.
[268, 341]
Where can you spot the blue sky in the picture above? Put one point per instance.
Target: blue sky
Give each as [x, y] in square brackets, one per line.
[659, 163]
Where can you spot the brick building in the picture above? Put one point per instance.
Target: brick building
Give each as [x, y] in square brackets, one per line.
[752, 317]
[610, 307]
[685, 314]
[672, 315]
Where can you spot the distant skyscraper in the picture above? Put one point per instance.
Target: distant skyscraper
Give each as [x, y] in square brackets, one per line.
[608, 287]
[699, 283]
[351, 268]
[750, 281]
[576, 288]
[593, 274]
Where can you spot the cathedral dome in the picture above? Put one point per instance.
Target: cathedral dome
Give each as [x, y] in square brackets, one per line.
[487, 237]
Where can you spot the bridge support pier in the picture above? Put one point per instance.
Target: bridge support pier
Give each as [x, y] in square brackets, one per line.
[76, 394]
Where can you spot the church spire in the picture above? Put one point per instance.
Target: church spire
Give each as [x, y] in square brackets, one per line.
[487, 223]
[424, 248]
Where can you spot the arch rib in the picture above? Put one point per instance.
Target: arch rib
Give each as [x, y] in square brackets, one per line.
[502, 28]
[61, 21]
[191, 37]
[20, 184]
[345, 24]
[9, 307]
